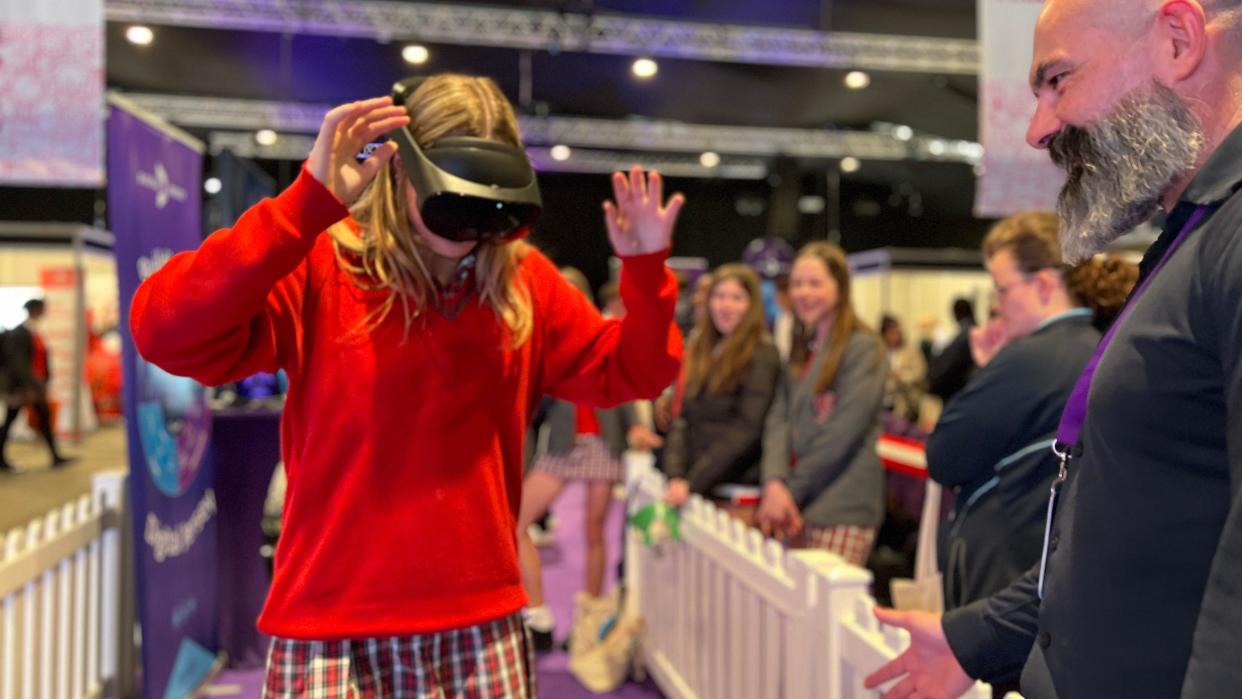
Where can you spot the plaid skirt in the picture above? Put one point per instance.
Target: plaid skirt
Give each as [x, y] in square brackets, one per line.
[588, 460]
[851, 543]
[494, 660]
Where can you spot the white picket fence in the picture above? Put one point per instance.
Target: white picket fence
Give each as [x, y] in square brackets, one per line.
[61, 595]
[732, 615]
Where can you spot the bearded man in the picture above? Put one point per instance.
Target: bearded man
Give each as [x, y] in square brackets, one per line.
[1140, 590]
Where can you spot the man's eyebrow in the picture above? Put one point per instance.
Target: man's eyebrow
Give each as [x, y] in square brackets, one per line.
[1038, 78]
[1041, 72]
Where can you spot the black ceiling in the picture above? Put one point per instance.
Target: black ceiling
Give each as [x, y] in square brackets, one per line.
[875, 203]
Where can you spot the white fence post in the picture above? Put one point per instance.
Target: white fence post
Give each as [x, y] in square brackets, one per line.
[80, 562]
[51, 608]
[30, 613]
[94, 558]
[733, 615]
[8, 650]
[109, 490]
[46, 632]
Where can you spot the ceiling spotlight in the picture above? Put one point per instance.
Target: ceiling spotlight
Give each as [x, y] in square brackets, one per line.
[857, 80]
[644, 68]
[850, 164]
[936, 147]
[265, 137]
[415, 54]
[811, 204]
[560, 152]
[212, 185]
[140, 35]
[903, 133]
[972, 151]
[709, 159]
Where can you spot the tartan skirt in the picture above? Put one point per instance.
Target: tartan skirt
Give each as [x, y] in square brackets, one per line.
[493, 660]
[849, 542]
[588, 460]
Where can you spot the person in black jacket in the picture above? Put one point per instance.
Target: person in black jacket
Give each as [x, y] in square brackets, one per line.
[993, 441]
[1137, 591]
[949, 371]
[28, 368]
[730, 377]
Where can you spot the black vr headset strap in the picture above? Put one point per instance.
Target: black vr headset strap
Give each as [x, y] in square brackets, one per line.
[421, 168]
[417, 166]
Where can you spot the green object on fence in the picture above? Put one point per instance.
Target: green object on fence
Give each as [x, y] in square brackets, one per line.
[657, 522]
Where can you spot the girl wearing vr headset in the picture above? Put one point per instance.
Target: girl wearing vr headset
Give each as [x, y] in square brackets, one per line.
[416, 356]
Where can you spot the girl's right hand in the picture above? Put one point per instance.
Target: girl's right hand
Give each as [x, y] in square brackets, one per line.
[345, 130]
[778, 515]
[988, 339]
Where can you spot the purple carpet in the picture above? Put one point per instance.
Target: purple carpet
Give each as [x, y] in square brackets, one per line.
[245, 684]
[562, 577]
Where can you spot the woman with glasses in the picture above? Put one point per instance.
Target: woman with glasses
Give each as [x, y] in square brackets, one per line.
[993, 441]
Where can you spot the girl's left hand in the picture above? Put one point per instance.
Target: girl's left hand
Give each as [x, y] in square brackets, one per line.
[639, 223]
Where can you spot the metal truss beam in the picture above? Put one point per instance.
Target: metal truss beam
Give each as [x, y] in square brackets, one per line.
[521, 28]
[641, 135]
[297, 146]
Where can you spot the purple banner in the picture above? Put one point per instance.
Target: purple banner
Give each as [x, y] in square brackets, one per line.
[154, 205]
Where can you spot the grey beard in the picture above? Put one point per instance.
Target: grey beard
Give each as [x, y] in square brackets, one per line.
[1119, 166]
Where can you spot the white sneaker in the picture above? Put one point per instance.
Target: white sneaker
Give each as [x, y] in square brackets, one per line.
[540, 537]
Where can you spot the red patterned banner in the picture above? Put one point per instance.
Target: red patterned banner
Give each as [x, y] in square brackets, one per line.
[1015, 176]
[51, 92]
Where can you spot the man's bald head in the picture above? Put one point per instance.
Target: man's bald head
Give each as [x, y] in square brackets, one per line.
[1130, 18]
[1131, 97]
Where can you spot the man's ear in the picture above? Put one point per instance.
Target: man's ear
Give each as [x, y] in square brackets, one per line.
[1049, 280]
[1181, 40]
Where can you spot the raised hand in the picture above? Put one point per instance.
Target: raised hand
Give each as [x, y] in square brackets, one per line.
[639, 223]
[345, 130]
[928, 669]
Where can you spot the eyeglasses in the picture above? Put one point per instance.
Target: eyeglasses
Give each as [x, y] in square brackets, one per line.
[1000, 290]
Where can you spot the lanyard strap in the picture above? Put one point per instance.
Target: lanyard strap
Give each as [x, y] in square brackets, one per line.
[1076, 407]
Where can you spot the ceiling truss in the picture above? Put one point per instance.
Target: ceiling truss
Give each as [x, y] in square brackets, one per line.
[525, 28]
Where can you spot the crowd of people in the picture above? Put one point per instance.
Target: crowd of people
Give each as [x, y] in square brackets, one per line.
[420, 356]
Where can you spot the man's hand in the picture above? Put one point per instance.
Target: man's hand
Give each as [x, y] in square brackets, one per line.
[928, 668]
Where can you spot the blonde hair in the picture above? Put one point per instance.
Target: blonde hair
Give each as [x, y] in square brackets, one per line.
[388, 254]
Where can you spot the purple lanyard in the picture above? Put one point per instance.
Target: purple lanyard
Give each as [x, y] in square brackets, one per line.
[1067, 445]
[1076, 408]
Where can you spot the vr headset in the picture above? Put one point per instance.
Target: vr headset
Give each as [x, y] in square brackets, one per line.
[468, 188]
